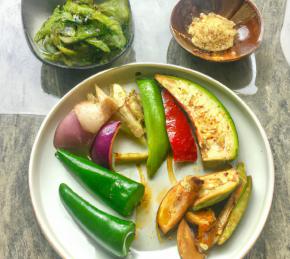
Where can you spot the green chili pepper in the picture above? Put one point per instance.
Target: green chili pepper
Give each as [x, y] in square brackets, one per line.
[154, 117]
[113, 233]
[237, 213]
[117, 191]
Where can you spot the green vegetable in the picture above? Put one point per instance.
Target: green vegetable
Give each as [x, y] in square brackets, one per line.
[98, 44]
[114, 234]
[81, 32]
[130, 112]
[117, 37]
[117, 191]
[154, 117]
[237, 213]
[56, 16]
[136, 158]
[243, 180]
[216, 187]
[119, 9]
[232, 201]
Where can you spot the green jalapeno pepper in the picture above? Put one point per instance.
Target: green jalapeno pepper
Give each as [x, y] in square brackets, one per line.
[154, 117]
[117, 191]
[114, 234]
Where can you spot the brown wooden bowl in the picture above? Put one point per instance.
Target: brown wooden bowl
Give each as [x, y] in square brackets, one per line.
[244, 13]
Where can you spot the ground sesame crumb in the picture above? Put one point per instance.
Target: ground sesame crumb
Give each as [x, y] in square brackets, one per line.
[212, 32]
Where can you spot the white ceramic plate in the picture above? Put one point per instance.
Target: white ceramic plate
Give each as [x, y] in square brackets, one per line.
[46, 173]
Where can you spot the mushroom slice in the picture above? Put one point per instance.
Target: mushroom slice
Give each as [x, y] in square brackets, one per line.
[204, 219]
[186, 242]
[206, 222]
[176, 202]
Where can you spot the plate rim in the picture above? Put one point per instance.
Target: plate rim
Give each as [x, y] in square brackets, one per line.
[268, 199]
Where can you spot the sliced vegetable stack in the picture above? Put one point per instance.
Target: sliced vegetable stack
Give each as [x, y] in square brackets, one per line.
[175, 209]
[81, 33]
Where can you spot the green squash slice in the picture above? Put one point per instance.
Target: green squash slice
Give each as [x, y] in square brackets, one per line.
[237, 213]
[216, 187]
[232, 201]
[215, 130]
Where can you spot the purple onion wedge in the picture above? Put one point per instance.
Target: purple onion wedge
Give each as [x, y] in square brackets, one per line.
[101, 150]
[71, 136]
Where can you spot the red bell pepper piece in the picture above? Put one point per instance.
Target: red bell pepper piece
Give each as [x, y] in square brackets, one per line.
[179, 131]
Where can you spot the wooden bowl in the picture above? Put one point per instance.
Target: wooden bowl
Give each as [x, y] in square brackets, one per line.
[243, 13]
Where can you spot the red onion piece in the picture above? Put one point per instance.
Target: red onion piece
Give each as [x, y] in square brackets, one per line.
[101, 150]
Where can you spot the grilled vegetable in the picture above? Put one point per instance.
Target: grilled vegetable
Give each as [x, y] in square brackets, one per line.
[114, 234]
[134, 103]
[232, 201]
[158, 144]
[130, 111]
[179, 131]
[70, 135]
[170, 170]
[176, 202]
[209, 236]
[77, 130]
[203, 218]
[205, 221]
[237, 213]
[117, 191]
[217, 187]
[215, 130]
[96, 111]
[101, 150]
[81, 33]
[186, 242]
[206, 238]
[130, 157]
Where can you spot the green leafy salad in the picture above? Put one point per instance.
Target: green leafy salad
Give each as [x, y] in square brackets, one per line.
[81, 32]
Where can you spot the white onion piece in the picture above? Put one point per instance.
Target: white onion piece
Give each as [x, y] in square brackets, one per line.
[92, 116]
